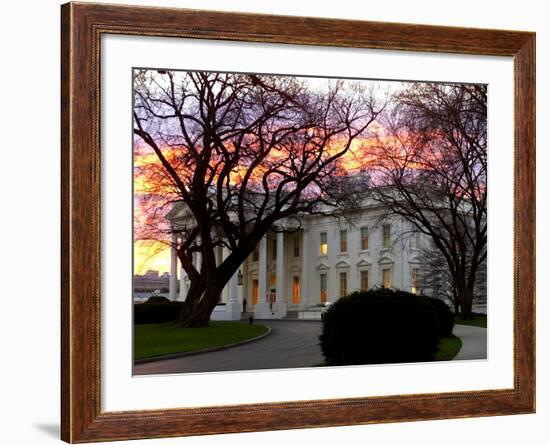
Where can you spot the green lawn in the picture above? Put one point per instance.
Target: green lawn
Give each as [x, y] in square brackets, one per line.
[479, 320]
[448, 348]
[152, 340]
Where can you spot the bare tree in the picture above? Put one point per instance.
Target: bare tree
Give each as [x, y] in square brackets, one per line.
[436, 278]
[240, 153]
[431, 169]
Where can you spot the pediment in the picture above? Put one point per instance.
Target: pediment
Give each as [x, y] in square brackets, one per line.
[322, 266]
[363, 263]
[415, 260]
[342, 264]
[179, 211]
[385, 260]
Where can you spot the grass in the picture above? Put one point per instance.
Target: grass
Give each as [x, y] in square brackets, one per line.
[153, 340]
[448, 348]
[479, 320]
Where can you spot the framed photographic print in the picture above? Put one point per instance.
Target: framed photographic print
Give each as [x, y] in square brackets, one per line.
[278, 222]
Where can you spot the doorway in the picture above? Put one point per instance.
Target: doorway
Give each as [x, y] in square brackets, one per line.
[296, 289]
[255, 291]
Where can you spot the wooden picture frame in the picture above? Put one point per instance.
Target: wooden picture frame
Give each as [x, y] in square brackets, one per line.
[82, 26]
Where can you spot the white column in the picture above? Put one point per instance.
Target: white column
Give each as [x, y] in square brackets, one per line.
[222, 253]
[280, 268]
[261, 310]
[280, 302]
[233, 307]
[183, 284]
[197, 258]
[304, 288]
[262, 273]
[233, 295]
[173, 269]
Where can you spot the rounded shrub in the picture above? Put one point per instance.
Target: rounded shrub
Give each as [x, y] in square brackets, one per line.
[157, 299]
[379, 326]
[445, 316]
[159, 312]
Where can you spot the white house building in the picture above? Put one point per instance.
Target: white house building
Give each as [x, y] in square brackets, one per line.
[292, 271]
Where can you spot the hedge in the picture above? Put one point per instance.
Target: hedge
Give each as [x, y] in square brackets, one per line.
[445, 315]
[156, 311]
[380, 326]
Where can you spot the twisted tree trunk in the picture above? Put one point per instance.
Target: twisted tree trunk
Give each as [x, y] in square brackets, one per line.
[199, 306]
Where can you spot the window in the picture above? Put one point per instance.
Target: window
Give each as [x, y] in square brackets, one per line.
[323, 246]
[386, 278]
[386, 228]
[323, 285]
[256, 254]
[296, 246]
[364, 280]
[343, 241]
[364, 238]
[273, 280]
[343, 284]
[414, 280]
[296, 289]
[274, 249]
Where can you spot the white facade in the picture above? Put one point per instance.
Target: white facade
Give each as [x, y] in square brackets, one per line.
[325, 259]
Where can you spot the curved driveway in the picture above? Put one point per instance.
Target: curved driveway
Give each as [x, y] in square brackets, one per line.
[291, 344]
[474, 342]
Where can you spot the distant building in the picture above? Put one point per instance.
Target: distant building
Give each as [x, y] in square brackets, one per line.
[151, 281]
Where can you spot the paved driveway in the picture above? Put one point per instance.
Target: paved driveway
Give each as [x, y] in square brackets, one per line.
[474, 342]
[291, 344]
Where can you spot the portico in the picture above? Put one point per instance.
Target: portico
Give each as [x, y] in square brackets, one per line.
[268, 277]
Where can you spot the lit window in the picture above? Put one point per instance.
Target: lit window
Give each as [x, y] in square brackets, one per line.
[343, 284]
[323, 285]
[364, 238]
[296, 289]
[343, 240]
[296, 242]
[386, 235]
[323, 247]
[255, 291]
[273, 280]
[414, 280]
[364, 280]
[386, 278]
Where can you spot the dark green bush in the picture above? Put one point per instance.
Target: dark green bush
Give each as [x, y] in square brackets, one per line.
[445, 316]
[157, 299]
[156, 312]
[379, 326]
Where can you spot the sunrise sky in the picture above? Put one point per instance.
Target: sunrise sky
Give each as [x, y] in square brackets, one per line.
[153, 255]
[148, 257]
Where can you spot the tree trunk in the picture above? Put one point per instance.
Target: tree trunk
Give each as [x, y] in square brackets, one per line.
[467, 309]
[196, 290]
[205, 290]
[456, 306]
[198, 315]
[465, 299]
